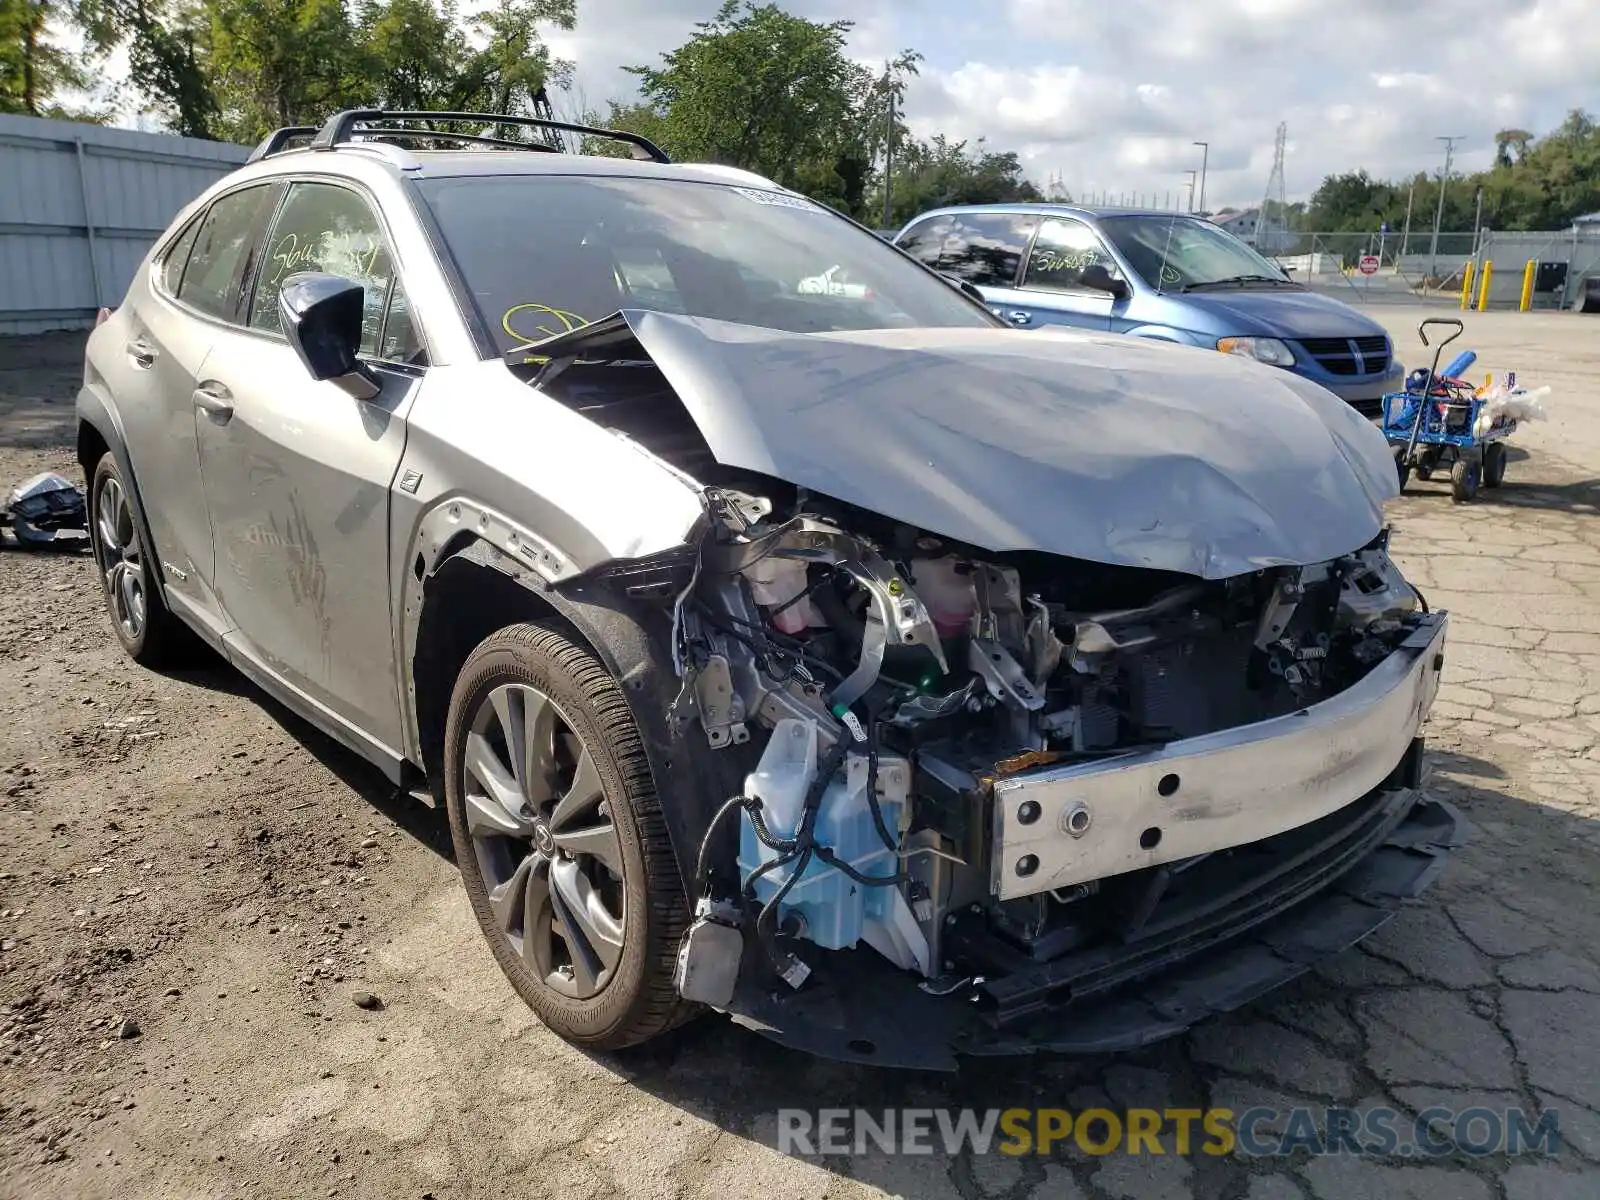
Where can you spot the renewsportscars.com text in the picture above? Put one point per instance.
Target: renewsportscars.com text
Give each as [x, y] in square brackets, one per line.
[1253, 1132]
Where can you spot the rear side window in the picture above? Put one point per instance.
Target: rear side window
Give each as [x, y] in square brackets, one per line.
[1060, 255]
[176, 258]
[986, 248]
[924, 240]
[211, 277]
[331, 229]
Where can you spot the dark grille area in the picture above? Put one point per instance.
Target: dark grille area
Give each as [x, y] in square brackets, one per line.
[1349, 356]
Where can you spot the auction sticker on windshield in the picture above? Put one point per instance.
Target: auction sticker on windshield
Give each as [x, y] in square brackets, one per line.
[780, 199]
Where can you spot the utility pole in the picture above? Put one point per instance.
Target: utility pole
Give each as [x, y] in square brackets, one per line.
[1191, 176]
[1438, 215]
[1405, 237]
[1477, 222]
[888, 150]
[1205, 159]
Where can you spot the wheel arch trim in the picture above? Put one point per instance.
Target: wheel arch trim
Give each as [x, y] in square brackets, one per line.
[625, 637]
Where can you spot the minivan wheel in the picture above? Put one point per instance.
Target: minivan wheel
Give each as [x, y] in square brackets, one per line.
[560, 839]
[147, 629]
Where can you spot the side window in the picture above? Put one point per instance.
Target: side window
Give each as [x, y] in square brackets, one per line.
[1060, 255]
[324, 227]
[925, 239]
[211, 278]
[400, 341]
[177, 256]
[987, 248]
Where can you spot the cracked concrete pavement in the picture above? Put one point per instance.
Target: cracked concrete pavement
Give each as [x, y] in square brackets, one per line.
[180, 850]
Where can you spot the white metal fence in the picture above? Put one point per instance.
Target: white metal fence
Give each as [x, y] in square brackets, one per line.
[80, 205]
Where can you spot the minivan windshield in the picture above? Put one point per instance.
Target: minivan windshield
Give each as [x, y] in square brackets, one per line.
[541, 254]
[1184, 254]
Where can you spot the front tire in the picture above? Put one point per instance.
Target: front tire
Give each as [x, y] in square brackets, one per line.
[129, 574]
[560, 838]
[1465, 475]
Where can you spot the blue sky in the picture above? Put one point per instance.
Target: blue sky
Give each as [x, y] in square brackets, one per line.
[1111, 94]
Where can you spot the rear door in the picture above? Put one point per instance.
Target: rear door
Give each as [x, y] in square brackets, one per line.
[176, 314]
[297, 473]
[986, 249]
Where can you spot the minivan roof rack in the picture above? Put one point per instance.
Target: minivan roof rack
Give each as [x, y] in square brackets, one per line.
[274, 141]
[341, 128]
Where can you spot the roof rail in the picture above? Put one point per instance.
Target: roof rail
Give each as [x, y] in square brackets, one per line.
[273, 143]
[341, 128]
[476, 139]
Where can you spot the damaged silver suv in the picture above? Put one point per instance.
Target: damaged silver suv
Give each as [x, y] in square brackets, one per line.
[783, 633]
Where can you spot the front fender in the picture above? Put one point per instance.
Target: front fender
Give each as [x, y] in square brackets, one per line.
[631, 638]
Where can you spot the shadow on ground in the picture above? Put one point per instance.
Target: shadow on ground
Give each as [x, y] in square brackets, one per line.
[425, 823]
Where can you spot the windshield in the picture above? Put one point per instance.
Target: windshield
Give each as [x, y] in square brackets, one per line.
[1176, 253]
[542, 254]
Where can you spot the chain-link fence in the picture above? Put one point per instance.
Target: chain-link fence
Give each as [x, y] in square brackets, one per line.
[1397, 267]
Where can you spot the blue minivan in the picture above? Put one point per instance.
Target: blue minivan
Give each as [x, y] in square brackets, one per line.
[1155, 274]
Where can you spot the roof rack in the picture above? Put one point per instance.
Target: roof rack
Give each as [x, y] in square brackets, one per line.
[274, 141]
[341, 128]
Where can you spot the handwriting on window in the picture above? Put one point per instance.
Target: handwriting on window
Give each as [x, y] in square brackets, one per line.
[352, 255]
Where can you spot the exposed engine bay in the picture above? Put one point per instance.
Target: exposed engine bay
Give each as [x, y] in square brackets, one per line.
[889, 688]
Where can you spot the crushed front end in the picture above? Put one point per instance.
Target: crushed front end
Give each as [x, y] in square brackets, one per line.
[998, 802]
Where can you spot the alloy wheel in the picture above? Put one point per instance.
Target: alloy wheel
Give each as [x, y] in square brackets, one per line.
[120, 561]
[545, 840]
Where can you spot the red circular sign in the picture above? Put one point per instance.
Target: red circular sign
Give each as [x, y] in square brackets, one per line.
[1368, 264]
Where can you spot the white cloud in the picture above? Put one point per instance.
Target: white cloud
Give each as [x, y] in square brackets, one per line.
[1114, 95]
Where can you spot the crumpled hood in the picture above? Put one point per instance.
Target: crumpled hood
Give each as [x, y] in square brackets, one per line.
[1098, 447]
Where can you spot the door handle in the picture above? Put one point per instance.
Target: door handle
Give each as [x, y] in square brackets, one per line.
[215, 401]
[1018, 316]
[142, 353]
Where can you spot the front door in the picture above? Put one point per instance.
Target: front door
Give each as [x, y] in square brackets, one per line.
[297, 473]
[1053, 291]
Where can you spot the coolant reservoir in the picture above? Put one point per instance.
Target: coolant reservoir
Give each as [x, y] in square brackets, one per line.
[944, 585]
[774, 583]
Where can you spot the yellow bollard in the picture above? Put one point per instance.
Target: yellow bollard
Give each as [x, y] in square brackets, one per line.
[1466, 287]
[1483, 285]
[1527, 285]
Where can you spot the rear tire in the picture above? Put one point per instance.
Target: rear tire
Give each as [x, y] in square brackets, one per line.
[1494, 464]
[1401, 466]
[565, 853]
[129, 574]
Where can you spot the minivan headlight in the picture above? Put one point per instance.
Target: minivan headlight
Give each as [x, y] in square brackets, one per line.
[1267, 350]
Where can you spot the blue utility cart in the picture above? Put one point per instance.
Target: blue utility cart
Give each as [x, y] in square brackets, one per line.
[1433, 424]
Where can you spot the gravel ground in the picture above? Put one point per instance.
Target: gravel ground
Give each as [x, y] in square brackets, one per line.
[196, 889]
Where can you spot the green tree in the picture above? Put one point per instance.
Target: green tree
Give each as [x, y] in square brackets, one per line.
[759, 88]
[34, 68]
[281, 62]
[167, 54]
[940, 171]
[1509, 142]
[1535, 183]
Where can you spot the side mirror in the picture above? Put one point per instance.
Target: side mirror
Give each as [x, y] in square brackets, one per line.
[1097, 277]
[322, 319]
